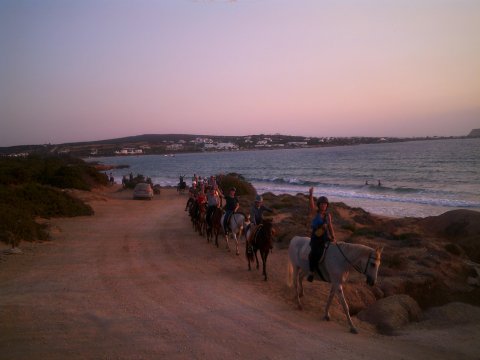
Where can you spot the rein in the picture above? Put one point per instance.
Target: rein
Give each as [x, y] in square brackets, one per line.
[364, 272]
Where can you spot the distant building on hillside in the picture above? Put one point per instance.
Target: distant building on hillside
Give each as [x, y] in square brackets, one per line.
[297, 143]
[174, 147]
[129, 151]
[221, 146]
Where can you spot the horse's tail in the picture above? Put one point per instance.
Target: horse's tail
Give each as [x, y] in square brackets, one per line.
[289, 273]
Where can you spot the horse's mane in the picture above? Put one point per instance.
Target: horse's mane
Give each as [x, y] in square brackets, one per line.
[355, 249]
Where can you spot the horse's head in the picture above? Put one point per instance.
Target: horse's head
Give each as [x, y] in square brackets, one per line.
[371, 268]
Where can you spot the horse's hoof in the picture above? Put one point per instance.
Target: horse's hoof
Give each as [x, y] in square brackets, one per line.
[300, 307]
[237, 253]
[353, 330]
[326, 317]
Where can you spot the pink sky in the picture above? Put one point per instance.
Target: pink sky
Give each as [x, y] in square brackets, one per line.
[89, 70]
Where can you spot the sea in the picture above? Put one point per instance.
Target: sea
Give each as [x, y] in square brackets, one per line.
[403, 179]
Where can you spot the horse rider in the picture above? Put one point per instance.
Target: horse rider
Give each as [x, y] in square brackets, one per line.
[182, 184]
[231, 206]
[213, 202]
[256, 214]
[201, 200]
[322, 231]
[212, 182]
[192, 195]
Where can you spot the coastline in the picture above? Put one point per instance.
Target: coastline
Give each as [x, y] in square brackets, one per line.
[422, 183]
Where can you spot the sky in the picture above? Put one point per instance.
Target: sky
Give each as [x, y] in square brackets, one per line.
[99, 69]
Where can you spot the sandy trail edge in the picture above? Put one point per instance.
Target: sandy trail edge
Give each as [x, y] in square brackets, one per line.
[134, 281]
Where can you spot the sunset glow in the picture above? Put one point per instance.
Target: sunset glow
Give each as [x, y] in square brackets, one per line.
[89, 70]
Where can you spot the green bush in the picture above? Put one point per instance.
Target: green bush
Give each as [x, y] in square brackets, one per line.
[63, 172]
[225, 182]
[20, 204]
[18, 224]
[29, 188]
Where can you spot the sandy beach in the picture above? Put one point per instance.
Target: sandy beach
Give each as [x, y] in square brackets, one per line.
[135, 281]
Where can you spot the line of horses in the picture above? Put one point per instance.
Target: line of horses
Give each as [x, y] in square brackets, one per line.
[257, 239]
[340, 258]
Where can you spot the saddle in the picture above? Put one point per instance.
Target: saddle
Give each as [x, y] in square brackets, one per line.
[320, 268]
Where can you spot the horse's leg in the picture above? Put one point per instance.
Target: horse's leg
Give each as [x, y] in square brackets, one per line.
[264, 261]
[247, 254]
[236, 244]
[329, 301]
[226, 239]
[298, 285]
[256, 258]
[341, 297]
[301, 275]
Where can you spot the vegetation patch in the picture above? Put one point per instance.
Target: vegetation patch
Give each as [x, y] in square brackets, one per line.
[225, 182]
[32, 187]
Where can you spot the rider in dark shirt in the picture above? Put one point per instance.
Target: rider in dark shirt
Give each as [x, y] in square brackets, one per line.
[256, 216]
[231, 206]
[322, 231]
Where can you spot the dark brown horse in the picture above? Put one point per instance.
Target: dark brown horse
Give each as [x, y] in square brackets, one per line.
[215, 225]
[193, 212]
[261, 239]
[201, 221]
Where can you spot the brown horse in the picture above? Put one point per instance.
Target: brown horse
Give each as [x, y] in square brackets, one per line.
[201, 221]
[215, 225]
[261, 239]
[192, 211]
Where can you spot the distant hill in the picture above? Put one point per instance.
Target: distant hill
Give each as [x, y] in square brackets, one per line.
[178, 143]
[474, 133]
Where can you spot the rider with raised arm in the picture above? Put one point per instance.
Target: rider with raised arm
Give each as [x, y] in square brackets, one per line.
[322, 230]
[231, 206]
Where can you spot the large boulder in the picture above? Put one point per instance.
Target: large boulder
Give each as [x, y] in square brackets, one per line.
[462, 227]
[455, 313]
[359, 297]
[391, 313]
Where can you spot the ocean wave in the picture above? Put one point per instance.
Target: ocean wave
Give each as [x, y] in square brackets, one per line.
[301, 182]
[379, 196]
[281, 180]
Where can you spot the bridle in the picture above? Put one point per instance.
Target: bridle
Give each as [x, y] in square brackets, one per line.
[364, 272]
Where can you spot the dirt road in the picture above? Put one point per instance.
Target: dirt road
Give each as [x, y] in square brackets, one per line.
[135, 282]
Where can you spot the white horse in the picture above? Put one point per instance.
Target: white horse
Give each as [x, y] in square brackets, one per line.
[339, 259]
[236, 225]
